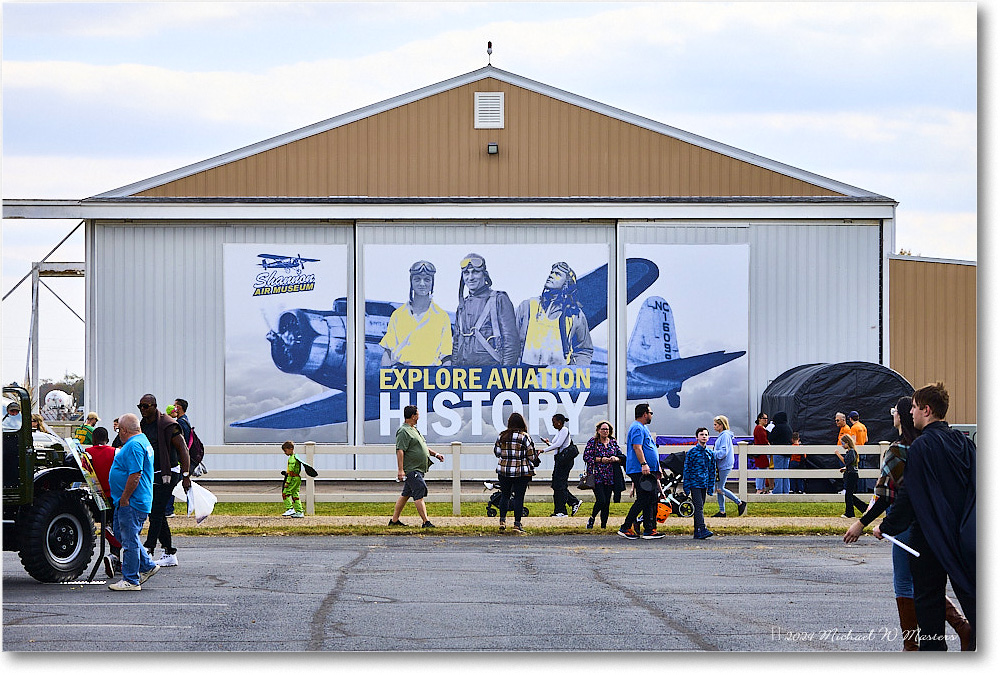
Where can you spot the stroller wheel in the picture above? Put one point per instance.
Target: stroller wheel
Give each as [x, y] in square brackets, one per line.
[524, 511]
[491, 512]
[685, 509]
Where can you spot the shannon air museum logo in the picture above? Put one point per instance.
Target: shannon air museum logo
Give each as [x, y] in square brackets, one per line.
[283, 274]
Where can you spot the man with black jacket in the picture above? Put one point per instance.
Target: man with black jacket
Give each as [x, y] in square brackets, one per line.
[937, 501]
[781, 434]
[171, 465]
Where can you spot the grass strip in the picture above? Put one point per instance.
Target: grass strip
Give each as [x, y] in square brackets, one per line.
[473, 509]
[679, 529]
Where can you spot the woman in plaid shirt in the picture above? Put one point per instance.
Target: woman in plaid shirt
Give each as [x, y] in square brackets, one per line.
[518, 459]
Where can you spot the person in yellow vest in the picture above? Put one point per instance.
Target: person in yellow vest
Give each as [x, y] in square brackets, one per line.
[419, 332]
[85, 434]
[553, 327]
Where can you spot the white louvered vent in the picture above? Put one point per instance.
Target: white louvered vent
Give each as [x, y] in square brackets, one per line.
[489, 110]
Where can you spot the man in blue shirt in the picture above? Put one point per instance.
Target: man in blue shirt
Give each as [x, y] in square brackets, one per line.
[131, 483]
[642, 464]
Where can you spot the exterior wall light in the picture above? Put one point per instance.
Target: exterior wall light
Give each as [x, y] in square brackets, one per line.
[492, 149]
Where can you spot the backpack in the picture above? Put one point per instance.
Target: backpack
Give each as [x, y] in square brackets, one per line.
[196, 450]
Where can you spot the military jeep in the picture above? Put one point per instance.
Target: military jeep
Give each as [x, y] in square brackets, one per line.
[49, 505]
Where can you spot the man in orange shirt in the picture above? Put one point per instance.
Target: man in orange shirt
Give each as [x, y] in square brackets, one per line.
[859, 430]
[843, 429]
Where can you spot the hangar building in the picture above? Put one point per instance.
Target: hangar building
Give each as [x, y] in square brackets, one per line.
[702, 272]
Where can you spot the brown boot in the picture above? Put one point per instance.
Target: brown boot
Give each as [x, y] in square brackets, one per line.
[953, 615]
[908, 624]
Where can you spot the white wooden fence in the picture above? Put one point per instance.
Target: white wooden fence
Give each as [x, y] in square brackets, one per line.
[451, 470]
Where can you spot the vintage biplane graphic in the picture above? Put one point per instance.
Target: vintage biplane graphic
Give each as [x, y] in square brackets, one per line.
[272, 261]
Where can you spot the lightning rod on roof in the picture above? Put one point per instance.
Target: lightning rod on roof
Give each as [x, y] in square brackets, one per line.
[489, 51]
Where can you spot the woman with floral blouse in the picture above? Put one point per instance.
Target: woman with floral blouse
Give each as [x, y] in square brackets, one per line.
[601, 455]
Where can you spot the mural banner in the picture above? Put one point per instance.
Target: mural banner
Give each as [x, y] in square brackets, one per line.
[469, 336]
[690, 327]
[286, 337]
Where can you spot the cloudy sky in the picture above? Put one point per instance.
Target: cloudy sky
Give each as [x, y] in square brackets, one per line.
[95, 96]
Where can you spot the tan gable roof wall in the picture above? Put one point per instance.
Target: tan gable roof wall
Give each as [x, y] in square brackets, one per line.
[429, 148]
[932, 329]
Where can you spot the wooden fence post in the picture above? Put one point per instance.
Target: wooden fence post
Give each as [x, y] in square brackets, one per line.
[742, 445]
[310, 482]
[456, 478]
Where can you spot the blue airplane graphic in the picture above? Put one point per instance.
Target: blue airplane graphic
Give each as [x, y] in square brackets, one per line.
[313, 343]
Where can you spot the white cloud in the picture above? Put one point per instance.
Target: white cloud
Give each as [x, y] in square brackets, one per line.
[136, 20]
[133, 20]
[937, 235]
[939, 134]
[301, 93]
[68, 177]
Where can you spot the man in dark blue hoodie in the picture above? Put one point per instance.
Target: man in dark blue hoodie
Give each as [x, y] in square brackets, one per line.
[937, 500]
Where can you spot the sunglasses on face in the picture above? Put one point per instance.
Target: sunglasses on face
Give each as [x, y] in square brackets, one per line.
[143, 406]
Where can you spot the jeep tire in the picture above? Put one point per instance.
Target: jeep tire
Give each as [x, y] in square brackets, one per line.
[58, 537]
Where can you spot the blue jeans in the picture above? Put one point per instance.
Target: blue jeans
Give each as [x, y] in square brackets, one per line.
[722, 493]
[780, 484]
[758, 482]
[902, 579]
[797, 484]
[135, 558]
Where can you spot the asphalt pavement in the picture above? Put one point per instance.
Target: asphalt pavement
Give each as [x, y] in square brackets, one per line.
[458, 594]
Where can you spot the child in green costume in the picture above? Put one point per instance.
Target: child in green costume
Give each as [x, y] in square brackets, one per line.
[293, 479]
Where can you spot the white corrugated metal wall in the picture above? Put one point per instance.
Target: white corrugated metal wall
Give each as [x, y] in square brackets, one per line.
[155, 316]
[814, 288]
[155, 294]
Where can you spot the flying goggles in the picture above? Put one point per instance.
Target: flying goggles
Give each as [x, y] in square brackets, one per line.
[474, 261]
[423, 267]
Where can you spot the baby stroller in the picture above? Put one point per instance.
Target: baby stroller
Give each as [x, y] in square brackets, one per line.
[493, 506]
[672, 486]
[673, 499]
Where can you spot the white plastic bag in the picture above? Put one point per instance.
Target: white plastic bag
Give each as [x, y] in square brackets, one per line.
[200, 501]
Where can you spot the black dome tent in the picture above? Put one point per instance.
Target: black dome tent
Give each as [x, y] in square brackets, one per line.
[812, 394]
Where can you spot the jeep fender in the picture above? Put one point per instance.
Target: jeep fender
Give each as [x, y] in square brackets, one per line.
[55, 478]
